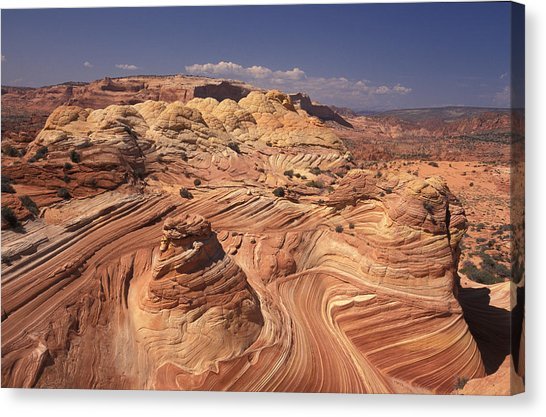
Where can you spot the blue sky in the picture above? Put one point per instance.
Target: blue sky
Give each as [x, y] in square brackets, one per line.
[371, 56]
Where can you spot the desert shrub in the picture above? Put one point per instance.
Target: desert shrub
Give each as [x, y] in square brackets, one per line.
[480, 227]
[6, 185]
[378, 174]
[289, 173]
[75, 156]
[66, 178]
[474, 273]
[234, 147]
[433, 164]
[471, 184]
[315, 184]
[41, 153]
[502, 270]
[29, 204]
[140, 172]
[315, 171]
[184, 193]
[481, 240]
[278, 192]
[388, 190]
[351, 225]
[269, 144]
[428, 207]
[67, 166]
[11, 151]
[63, 193]
[183, 156]
[490, 272]
[197, 182]
[9, 216]
[339, 228]
[461, 382]
[297, 175]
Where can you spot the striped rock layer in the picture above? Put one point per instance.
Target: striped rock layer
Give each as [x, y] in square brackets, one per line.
[347, 283]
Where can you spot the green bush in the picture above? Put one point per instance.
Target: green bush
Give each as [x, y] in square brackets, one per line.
[184, 193]
[278, 192]
[315, 171]
[315, 184]
[197, 182]
[234, 147]
[485, 275]
[140, 172]
[339, 228]
[41, 153]
[75, 156]
[63, 193]
[461, 382]
[289, 173]
[9, 216]
[11, 151]
[433, 164]
[428, 207]
[67, 166]
[351, 225]
[29, 204]
[6, 185]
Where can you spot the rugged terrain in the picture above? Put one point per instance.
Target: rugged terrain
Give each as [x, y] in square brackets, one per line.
[445, 134]
[186, 233]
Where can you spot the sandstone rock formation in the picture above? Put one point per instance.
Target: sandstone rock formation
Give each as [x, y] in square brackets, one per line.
[228, 245]
[24, 109]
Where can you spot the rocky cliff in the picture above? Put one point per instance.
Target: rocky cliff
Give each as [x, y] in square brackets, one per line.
[230, 245]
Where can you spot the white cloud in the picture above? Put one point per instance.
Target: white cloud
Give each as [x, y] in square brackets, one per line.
[383, 89]
[503, 76]
[128, 67]
[401, 89]
[88, 64]
[502, 98]
[235, 70]
[3, 58]
[332, 90]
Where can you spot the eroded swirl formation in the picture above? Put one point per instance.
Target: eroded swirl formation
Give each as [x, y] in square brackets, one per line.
[341, 281]
[196, 308]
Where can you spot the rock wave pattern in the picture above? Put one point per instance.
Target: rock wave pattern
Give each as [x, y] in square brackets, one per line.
[343, 281]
